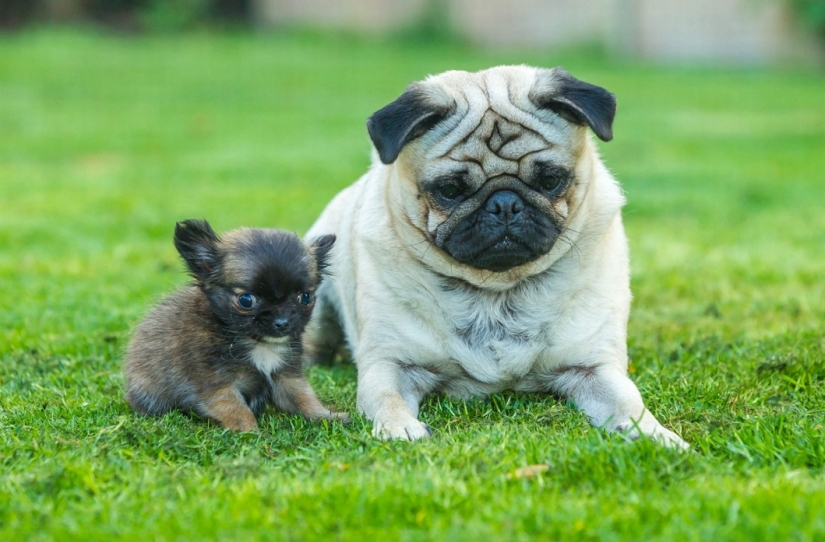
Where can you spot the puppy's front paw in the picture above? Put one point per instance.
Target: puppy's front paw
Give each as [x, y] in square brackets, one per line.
[399, 427]
[243, 424]
[342, 417]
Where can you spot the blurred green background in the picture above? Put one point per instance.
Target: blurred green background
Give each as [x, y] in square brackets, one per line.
[107, 138]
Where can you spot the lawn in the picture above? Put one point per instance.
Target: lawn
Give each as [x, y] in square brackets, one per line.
[106, 141]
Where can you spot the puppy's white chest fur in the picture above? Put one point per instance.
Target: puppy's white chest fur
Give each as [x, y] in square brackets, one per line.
[269, 358]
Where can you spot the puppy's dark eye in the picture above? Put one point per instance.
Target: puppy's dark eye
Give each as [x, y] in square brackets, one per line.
[306, 299]
[247, 301]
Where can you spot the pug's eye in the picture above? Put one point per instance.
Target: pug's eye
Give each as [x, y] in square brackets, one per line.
[550, 179]
[449, 188]
[548, 184]
[246, 301]
[306, 299]
[448, 191]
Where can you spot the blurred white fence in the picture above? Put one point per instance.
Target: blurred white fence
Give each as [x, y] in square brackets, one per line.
[729, 31]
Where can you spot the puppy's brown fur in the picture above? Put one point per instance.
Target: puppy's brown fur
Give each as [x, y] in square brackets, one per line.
[229, 344]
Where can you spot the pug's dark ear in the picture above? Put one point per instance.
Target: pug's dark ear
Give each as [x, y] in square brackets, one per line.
[197, 244]
[575, 101]
[320, 247]
[408, 117]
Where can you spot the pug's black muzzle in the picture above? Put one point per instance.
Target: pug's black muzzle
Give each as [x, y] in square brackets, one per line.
[511, 227]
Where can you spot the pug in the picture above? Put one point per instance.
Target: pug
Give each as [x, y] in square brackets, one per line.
[482, 251]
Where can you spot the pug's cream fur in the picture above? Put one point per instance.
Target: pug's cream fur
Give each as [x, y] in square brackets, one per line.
[418, 321]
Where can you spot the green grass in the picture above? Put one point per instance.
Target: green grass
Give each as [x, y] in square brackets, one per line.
[106, 142]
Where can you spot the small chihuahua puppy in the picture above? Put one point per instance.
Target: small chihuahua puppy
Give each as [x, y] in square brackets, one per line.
[228, 344]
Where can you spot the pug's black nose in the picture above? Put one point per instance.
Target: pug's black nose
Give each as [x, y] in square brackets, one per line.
[280, 324]
[505, 204]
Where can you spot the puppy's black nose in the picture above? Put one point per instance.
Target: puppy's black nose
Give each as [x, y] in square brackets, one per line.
[505, 204]
[280, 324]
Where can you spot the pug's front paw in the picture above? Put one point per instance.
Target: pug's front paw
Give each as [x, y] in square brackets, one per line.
[668, 439]
[650, 427]
[399, 426]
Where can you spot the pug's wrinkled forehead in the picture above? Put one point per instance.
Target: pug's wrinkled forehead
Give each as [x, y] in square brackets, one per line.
[501, 121]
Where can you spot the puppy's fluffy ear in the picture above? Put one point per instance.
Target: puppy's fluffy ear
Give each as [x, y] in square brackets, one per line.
[320, 247]
[197, 244]
[408, 117]
[576, 101]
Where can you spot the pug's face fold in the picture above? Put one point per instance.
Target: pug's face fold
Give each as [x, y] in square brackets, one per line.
[493, 161]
